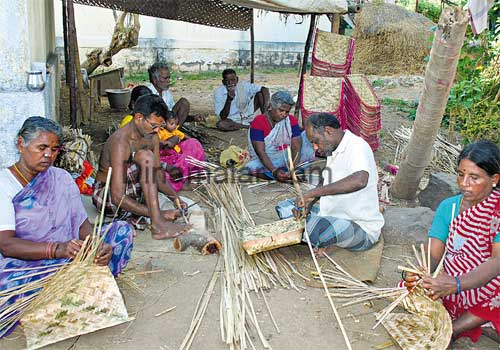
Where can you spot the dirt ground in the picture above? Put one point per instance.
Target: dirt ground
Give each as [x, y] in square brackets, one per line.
[305, 319]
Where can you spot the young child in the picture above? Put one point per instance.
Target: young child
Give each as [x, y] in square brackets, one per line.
[175, 147]
[171, 136]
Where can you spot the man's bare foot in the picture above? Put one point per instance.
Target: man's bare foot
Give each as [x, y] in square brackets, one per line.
[318, 252]
[167, 230]
[171, 214]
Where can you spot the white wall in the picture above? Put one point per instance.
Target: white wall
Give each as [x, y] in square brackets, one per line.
[41, 29]
[26, 35]
[95, 27]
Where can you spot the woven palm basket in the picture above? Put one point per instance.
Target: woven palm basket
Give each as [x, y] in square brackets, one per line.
[322, 94]
[331, 48]
[427, 326]
[364, 90]
[92, 302]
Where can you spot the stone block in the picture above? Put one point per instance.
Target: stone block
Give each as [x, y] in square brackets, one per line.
[406, 225]
[441, 186]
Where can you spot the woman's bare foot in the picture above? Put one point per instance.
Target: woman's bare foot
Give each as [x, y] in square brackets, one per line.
[167, 230]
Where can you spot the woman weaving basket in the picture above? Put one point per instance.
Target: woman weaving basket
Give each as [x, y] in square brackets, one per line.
[270, 135]
[466, 230]
[43, 222]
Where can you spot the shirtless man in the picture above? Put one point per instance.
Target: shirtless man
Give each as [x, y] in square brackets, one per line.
[159, 78]
[133, 153]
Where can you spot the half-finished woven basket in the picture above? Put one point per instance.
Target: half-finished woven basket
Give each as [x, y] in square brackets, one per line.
[91, 302]
[272, 235]
[427, 326]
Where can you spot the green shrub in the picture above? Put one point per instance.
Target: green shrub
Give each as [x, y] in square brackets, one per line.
[429, 10]
[474, 102]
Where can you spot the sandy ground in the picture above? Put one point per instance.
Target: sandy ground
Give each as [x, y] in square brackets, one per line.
[305, 319]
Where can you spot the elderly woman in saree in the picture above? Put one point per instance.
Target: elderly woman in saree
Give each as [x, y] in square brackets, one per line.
[466, 230]
[270, 135]
[43, 222]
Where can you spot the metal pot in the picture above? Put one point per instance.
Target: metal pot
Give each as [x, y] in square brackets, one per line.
[35, 81]
[118, 98]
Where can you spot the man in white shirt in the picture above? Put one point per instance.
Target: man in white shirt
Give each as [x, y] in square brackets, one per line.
[236, 102]
[159, 78]
[348, 214]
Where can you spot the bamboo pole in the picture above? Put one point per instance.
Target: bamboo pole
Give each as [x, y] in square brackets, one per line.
[82, 96]
[306, 234]
[417, 256]
[440, 265]
[429, 267]
[65, 37]
[252, 51]
[70, 73]
[424, 259]
[304, 61]
[165, 311]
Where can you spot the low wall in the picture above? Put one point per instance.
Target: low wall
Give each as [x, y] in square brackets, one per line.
[202, 56]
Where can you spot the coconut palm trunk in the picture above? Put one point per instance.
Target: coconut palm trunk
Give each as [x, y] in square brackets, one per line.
[439, 76]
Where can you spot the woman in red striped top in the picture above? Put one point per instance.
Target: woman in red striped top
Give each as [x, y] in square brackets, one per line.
[466, 229]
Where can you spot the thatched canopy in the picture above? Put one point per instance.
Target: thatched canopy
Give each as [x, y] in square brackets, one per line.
[213, 13]
[295, 6]
[228, 14]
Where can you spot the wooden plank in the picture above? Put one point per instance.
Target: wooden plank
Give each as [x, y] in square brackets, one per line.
[335, 23]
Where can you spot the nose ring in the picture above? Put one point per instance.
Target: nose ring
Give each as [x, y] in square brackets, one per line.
[47, 155]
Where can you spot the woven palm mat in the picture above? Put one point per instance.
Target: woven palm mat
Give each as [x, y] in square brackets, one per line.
[427, 327]
[94, 302]
[322, 93]
[331, 48]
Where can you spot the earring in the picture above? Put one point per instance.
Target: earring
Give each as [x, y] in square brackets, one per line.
[493, 185]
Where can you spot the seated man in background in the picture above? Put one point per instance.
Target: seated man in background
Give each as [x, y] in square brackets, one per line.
[236, 102]
[159, 77]
[269, 137]
[133, 153]
[348, 215]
